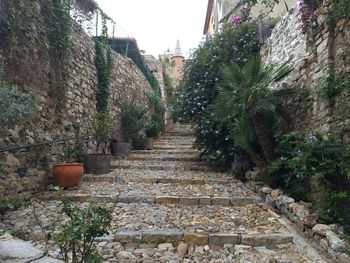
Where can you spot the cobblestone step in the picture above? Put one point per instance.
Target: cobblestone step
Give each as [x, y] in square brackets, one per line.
[163, 157]
[249, 219]
[176, 236]
[169, 207]
[152, 179]
[168, 152]
[171, 147]
[163, 165]
[197, 176]
[164, 199]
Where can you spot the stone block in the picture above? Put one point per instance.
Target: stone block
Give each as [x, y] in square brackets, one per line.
[135, 199]
[266, 239]
[334, 242]
[162, 236]
[225, 201]
[204, 200]
[321, 229]
[125, 237]
[343, 258]
[310, 220]
[18, 251]
[220, 239]
[266, 190]
[188, 201]
[275, 194]
[167, 199]
[241, 201]
[47, 260]
[198, 239]
[324, 244]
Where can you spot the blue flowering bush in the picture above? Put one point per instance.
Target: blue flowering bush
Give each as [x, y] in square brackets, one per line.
[198, 90]
[306, 158]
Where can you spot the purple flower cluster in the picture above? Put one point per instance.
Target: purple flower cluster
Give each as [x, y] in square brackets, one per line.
[236, 20]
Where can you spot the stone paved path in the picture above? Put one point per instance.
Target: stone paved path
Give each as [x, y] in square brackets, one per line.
[170, 207]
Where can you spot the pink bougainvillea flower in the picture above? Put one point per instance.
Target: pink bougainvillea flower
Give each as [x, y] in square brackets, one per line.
[236, 20]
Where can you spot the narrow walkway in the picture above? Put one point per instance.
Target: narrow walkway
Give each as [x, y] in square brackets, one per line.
[170, 207]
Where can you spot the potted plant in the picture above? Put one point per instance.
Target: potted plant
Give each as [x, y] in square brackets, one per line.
[100, 162]
[132, 120]
[152, 130]
[69, 173]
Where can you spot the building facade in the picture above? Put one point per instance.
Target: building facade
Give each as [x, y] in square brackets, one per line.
[220, 11]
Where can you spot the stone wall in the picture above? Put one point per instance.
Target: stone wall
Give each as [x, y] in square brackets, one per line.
[311, 55]
[31, 67]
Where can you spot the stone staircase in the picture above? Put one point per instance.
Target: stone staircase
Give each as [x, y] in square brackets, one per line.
[168, 206]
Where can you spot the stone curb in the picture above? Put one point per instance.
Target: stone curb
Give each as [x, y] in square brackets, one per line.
[200, 239]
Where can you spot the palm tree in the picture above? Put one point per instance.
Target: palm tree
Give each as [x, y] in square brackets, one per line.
[245, 94]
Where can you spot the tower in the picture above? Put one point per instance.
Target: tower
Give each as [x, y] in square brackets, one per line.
[178, 61]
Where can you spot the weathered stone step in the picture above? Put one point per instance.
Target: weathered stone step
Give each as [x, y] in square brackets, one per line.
[176, 236]
[164, 193]
[171, 147]
[164, 200]
[249, 219]
[164, 165]
[178, 134]
[167, 152]
[176, 138]
[164, 157]
[198, 176]
[153, 180]
[166, 141]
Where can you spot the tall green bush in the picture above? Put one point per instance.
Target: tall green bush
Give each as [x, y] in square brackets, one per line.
[133, 119]
[198, 88]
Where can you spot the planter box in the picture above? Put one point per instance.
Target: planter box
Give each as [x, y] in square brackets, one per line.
[144, 144]
[97, 163]
[121, 148]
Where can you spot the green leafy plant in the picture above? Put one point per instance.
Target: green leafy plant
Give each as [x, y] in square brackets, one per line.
[133, 119]
[333, 84]
[246, 100]
[198, 90]
[314, 157]
[102, 129]
[11, 204]
[75, 236]
[104, 63]
[153, 129]
[15, 105]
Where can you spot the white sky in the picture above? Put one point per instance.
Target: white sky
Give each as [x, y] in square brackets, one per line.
[156, 24]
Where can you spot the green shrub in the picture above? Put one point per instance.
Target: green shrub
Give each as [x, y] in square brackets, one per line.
[198, 89]
[133, 119]
[11, 204]
[314, 157]
[102, 130]
[75, 236]
[153, 129]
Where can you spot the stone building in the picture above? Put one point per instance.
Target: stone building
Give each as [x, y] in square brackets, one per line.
[220, 11]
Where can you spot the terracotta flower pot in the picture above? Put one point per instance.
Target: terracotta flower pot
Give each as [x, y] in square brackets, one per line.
[68, 174]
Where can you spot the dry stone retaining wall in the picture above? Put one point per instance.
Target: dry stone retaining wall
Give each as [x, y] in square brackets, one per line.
[33, 70]
[311, 55]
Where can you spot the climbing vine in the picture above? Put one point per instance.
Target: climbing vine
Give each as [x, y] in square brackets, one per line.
[104, 63]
